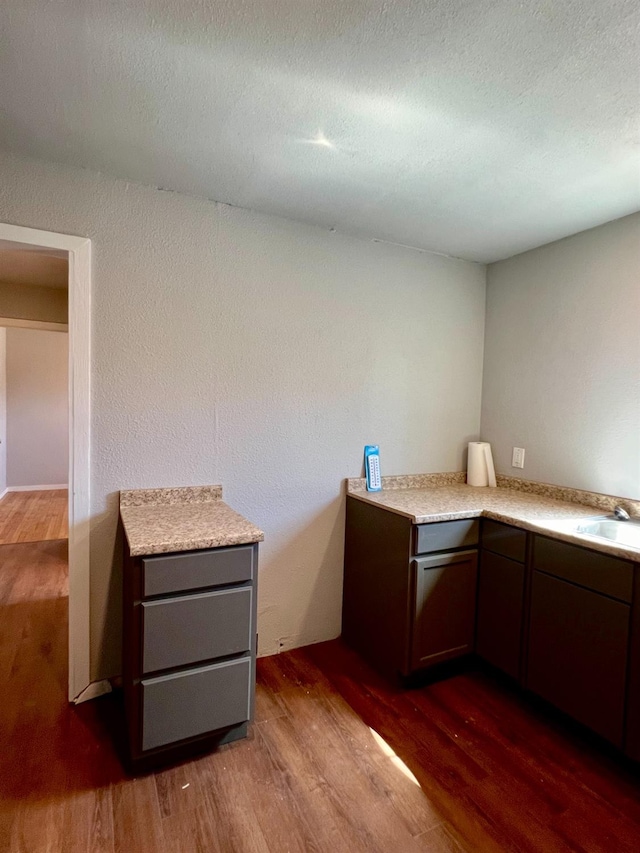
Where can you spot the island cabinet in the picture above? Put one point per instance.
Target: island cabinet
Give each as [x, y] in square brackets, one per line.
[189, 650]
[409, 590]
[501, 596]
[579, 633]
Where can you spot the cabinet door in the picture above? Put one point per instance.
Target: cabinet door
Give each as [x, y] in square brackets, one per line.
[445, 603]
[500, 602]
[578, 653]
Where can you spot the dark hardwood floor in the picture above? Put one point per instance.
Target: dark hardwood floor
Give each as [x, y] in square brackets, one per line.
[337, 759]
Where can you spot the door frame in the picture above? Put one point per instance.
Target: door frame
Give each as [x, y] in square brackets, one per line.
[79, 253]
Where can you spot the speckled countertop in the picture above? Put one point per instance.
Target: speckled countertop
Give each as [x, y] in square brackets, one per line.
[157, 521]
[538, 512]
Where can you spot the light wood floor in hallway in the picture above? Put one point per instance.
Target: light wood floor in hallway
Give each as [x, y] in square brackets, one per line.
[338, 761]
[33, 516]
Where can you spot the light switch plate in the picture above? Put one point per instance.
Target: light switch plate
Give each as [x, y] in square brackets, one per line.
[517, 460]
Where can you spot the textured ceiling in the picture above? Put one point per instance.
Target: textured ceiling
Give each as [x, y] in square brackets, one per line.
[33, 266]
[477, 129]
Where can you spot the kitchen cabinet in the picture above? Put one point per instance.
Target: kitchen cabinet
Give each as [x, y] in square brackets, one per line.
[409, 590]
[189, 650]
[632, 728]
[501, 592]
[579, 634]
[563, 620]
[444, 607]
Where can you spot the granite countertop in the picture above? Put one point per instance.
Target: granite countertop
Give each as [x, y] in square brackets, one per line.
[446, 500]
[157, 521]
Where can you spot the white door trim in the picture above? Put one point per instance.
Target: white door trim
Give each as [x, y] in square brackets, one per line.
[79, 249]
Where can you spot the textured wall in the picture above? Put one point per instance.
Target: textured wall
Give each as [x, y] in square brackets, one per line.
[37, 408]
[562, 360]
[3, 410]
[236, 348]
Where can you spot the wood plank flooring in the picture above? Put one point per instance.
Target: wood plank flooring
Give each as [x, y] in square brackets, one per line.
[33, 516]
[337, 760]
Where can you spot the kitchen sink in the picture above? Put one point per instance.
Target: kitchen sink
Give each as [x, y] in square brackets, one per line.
[620, 532]
[605, 528]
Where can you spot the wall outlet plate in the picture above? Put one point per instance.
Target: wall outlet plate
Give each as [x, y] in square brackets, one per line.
[517, 460]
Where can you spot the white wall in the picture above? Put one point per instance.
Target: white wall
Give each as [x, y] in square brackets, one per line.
[3, 411]
[247, 350]
[37, 408]
[562, 360]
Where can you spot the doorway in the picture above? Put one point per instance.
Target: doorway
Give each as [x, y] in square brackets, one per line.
[77, 251]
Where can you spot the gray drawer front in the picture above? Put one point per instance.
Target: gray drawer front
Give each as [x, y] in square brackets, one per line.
[445, 535]
[191, 628]
[504, 540]
[192, 570]
[194, 702]
[590, 569]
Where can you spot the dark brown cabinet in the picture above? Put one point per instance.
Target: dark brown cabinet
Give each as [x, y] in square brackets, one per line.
[404, 610]
[445, 603]
[501, 596]
[561, 619]
[504, 539]
[632, 729]
[578, 653]
[579, 634]
[500, 612]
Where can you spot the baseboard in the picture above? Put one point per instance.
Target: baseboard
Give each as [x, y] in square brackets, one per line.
[4, 493]
[37, 488]
[286, 644]
[92, 691]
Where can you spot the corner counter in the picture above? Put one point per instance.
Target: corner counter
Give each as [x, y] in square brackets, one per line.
[537, 507]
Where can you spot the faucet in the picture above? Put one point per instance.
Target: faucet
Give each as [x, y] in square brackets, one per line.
[621, 514]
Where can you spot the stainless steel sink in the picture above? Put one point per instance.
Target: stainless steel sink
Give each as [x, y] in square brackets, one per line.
[605, 528]
[620, 532]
